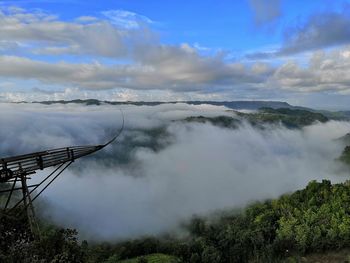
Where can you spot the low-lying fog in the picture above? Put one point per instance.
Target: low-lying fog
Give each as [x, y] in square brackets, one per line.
[195, 168]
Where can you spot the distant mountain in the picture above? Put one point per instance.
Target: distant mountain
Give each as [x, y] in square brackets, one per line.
[87, 102]
[235, 105]
[248, 105]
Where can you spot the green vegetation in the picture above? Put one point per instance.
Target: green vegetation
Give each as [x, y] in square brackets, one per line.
[313, 219]
[290, 118]
[222, 121]
[17, 244]
[153, 258]
[309, 221]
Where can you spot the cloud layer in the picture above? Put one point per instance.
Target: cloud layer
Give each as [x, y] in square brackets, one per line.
[40, 33]
[198, 169]
[319, 31]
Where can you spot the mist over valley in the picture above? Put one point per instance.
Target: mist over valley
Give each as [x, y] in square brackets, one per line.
[167, 166]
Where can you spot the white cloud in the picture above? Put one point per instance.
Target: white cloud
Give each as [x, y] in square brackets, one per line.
[127, 19]
[47, 34]
[319, 31]
[182, 69]
[86, 19]
[326, 71]
[164, 67]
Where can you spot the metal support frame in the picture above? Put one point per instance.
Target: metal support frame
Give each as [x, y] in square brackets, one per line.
[28, 207]
[16, 170]
[27, 196]
[10, 194]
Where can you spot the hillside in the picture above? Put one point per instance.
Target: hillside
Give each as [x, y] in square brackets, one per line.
[222, 121]
[290, 118]
[297, 227]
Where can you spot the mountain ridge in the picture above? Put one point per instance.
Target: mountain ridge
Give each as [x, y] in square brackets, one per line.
[239, 104]
[235, 105]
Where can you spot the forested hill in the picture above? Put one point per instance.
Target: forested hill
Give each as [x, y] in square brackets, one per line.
[290, 118]
[313, 220]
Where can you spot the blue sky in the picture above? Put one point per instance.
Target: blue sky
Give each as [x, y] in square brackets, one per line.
[296, 51]
[216, 24]
[222, 24]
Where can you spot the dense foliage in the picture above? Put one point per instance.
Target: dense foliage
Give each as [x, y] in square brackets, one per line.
[18, 244]
[153, 258]
[290, 118]
[314, 219]
[221, 121]
[293, 118]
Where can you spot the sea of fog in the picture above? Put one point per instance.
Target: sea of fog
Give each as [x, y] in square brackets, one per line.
[195, 168]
